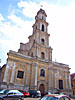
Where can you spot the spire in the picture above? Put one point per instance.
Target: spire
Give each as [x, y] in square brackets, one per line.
[41, 11]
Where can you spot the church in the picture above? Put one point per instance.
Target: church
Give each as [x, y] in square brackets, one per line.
[32, 68]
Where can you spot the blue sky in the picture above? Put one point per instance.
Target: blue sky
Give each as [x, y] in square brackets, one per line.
[18, 16]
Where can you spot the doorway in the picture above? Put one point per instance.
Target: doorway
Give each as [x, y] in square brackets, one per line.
[60, 84]
[42, 89]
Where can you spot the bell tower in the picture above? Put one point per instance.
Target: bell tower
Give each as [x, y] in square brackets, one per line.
[41, 37]
[38, 45]
[40, 28]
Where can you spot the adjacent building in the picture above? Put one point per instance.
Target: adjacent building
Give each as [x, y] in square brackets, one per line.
[32, 68]
[73, 83]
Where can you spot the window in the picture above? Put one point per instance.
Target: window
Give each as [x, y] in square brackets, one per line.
[20, 74]
[42, 55]
[42, 41]
[42, 17]
[60, 84]
[11, 93]
[43, 28]
[42, 72]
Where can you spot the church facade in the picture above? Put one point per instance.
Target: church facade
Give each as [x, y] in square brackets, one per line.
[32, 68]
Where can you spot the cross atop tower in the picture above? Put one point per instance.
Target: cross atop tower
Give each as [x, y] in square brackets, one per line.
[41, 6]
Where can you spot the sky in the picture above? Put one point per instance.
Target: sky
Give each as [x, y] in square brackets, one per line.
[18, 16]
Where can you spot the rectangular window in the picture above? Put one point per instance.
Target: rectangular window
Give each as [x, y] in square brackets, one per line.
[20, 74]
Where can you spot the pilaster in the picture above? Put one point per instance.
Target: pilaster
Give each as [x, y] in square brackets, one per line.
[13, 73]
[34, 76]
[27, 77]
[6, 73]
[66, 86]
[50, 85]
[69, 81]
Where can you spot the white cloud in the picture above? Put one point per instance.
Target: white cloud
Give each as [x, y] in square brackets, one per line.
[1, 17]
[13, 30]
[29, 8]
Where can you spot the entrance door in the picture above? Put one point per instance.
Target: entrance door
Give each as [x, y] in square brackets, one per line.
[60, 84]
[42, 89]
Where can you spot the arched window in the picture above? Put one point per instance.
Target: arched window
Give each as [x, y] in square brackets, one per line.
[42, 27]
[42, 17]
[42, 55]
[42, 41]
[42, 72]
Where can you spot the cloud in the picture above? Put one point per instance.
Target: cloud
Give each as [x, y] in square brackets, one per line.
[1, 17]
[28, 8]
[13, 30]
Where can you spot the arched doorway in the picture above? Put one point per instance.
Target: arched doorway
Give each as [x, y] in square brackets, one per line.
[42, 89]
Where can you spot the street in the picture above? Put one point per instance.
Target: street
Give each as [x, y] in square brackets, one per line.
[36, 99]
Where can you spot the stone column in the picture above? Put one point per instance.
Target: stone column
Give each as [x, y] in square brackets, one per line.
[50, 55]
[36, 76]
[6, 73]
[55, 81]
[32, 76]
[47, 54]
[50, 85]
[27, 76]
[66, 86]
[70, 82]
[38, 52]
[13, 73]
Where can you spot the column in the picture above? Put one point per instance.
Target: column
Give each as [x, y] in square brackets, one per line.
[50, 79]
[13, 73]
[50, 55]
[36, 75]
[66, 86]
[55, 81]
[27, 76]
[38, 52]
[70, 81]
[47, 54]
[6, 73]
[34, 54]
[32, 77]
